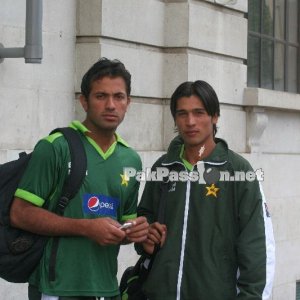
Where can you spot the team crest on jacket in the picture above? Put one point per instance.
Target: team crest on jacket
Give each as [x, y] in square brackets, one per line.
[212, 190]
[100, 205]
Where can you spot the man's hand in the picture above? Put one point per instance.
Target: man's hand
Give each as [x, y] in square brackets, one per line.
[157, 235]
[138, 232]
[105, 231]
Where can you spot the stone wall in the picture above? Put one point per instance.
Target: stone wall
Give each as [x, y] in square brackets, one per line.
[162, 43]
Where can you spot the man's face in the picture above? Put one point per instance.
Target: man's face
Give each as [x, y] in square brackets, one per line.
[195, 126]
[107, 103]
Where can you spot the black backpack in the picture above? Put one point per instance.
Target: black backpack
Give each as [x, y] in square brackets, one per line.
[21, 251]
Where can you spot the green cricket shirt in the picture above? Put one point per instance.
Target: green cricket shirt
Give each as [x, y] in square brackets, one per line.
[82, 266]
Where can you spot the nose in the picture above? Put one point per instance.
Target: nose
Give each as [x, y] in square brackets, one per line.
[110, 104]
[190, 120]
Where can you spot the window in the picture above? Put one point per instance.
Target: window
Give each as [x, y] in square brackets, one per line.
[297, 290]
[273, 45]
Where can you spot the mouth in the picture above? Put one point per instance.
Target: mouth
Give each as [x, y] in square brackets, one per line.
[110, 117]
[191, 133]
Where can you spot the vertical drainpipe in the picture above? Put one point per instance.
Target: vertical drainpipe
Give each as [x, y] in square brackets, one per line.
[33, 50]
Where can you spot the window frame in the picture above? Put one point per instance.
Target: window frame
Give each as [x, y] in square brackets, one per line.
[297, 290]
[273, 39]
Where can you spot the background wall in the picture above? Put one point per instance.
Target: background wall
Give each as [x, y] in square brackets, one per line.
[162, 43]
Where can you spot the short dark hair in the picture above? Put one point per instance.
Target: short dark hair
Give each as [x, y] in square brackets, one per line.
[102, 68]
[203, 91]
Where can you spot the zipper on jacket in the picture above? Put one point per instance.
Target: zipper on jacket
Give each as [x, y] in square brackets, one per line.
[184, 232]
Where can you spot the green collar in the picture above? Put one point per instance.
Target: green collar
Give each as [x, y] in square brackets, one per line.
[187, 164]
[105, 155]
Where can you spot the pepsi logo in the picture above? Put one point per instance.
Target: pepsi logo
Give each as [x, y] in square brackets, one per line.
[93, 203]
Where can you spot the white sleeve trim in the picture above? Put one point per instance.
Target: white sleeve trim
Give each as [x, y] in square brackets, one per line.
[270, 249]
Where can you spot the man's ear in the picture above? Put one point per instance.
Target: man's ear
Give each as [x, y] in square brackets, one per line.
[215, 119]
[128, 102]
[84, 102]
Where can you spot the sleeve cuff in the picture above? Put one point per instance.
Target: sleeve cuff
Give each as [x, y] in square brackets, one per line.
[32, 198]
[128, 217]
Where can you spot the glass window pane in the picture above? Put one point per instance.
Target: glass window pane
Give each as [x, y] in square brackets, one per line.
[297, 290]
[253, 61]
[293, 20]
[279, 67]
[267, 64]
[267, 17]
[279, 19]
[292, 70]
[254, 7]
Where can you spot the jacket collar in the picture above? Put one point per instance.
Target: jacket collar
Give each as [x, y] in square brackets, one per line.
[219, 156]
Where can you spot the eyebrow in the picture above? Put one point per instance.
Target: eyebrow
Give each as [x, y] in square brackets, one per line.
[104, 93]
[191, 110]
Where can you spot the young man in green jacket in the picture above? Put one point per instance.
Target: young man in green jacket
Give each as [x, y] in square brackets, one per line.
[217, 239]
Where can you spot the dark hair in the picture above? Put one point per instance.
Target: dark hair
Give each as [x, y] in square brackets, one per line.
[203, 91]
[102, 68]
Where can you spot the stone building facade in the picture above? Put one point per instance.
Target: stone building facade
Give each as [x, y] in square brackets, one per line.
[162, 43]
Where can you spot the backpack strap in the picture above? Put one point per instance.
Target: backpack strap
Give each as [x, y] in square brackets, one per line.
[71, 185]
[77, 170]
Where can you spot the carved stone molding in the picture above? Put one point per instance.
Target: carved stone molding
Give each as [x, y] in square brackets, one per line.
[257, 121]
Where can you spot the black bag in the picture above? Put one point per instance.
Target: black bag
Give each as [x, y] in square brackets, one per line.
[21, 251]
[133, 278]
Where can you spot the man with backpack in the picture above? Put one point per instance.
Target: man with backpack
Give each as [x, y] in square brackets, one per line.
[80, 258]
[216, 239]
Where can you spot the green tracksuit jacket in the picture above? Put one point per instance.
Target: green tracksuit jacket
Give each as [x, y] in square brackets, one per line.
[220, 243]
